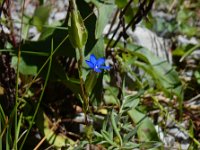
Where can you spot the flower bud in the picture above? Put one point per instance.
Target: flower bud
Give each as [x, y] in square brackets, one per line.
[77, 31]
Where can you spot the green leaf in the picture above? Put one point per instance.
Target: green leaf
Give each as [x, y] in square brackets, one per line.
[145, 131]
[89, 132]
[130, 102]
[8, 138]
[48, 31]
[191, 49]
[110, 96]
[152, 145]
[114, 125]
[130, 135]
[120, 3]
[24, 68]
[26, 26]
[130, 145]
[34, 53]
[105, 11]
[178, 52]
[77, 31]
[193, 145]
[40, 16]
[90, 81]
[108, 138]
[163, 74]
[97, 92]
[98, 50]
[188, 30]
[197, 76]
[2, 117]
[46, 128]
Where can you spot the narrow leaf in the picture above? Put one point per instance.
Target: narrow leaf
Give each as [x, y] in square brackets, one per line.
[90, 81]
[114, 125]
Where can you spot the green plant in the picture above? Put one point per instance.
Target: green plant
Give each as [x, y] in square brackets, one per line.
[57, 85]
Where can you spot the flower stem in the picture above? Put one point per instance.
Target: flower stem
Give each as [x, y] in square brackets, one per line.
[84, 94]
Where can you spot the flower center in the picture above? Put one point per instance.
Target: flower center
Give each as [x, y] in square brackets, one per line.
[96, 67]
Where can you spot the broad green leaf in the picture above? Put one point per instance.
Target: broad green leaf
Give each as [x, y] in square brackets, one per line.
[120, 3]
[26, 26]
[35, 53]
[146, 131]
[98, 50]
[178, 52]
[164, 75]
[46, 128]
[77, 31]
[24, 68]
[40, 16]
[47, 31]
[105, 11]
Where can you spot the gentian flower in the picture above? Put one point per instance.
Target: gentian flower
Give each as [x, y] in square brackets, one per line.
[97, 64]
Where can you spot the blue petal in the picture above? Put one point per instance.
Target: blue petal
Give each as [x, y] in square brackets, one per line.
[93, 59]
[100, 61]
[105, 67]
[90, 64]
[97, 69]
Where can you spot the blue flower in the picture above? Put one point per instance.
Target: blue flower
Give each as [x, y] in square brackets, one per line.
[97, 64]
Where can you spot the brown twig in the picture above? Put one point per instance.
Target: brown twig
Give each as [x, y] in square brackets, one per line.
[118, 26]
[137, 18]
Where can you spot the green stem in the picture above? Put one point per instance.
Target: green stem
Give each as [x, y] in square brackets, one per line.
[16, 98]
[16, 87]
[84, 94]
[40, 99]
